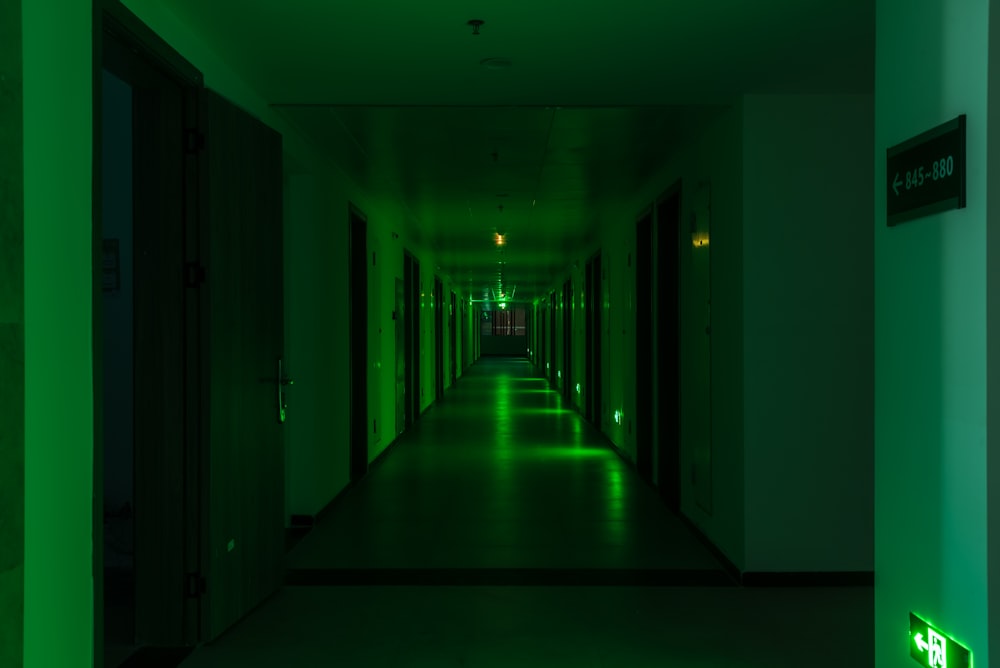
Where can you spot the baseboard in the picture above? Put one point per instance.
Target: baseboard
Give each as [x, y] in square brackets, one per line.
[728, 566]
[809, 579]
[506, 577]
[157, 657]
[303, 524]
[325, 510]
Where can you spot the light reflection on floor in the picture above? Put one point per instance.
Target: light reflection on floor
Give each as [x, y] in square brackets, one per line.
[501, 477]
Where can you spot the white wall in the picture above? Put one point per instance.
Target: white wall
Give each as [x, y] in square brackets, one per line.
[808, 332]
[931, 339]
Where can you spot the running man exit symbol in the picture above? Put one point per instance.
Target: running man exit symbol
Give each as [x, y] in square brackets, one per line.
[938, 648]
[931, 648]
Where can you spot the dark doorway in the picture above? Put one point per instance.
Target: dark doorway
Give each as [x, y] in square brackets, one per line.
[540, 339]
[644, 347]
[439, 339]
[553, 370]
[592, 390]
[411, 330]
[358, 268]
[146, 183]
[397, 317]
[453, 336]
[668, 211]
[462, 325]
[567, 371]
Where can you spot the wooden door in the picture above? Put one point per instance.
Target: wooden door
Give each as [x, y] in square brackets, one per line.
[452, 315]
[438, 338]
[668, 216]
[241, 315]
[644, 348]
[397, 316]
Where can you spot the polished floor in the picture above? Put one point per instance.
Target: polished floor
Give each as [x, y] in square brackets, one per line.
[502, 530]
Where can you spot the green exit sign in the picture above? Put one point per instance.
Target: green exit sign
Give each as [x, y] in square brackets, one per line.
[932, 648]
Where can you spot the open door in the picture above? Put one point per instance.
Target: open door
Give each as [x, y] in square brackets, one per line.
[241, 325]
[145, 526]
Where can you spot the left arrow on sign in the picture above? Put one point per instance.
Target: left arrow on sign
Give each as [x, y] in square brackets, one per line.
[921, 643]
[896, 183]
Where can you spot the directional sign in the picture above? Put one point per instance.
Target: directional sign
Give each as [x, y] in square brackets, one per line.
[932, 648]
[926, 174]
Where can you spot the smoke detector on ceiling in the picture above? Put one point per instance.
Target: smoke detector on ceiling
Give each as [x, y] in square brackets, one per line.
[476, 24]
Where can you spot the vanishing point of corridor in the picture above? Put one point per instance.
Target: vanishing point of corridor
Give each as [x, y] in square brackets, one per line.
[503, 530]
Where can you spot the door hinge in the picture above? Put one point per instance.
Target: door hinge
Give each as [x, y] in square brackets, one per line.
[194, 274]
[194, 141]
[194, 585]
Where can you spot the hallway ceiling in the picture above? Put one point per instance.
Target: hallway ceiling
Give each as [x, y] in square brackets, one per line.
[594, 99]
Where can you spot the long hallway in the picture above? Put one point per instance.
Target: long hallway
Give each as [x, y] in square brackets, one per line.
[502, 530]
[501, 482]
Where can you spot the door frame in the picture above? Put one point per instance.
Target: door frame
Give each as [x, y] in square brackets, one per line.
[113, 21]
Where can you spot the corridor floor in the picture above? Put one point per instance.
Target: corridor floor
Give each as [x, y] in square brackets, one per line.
[502, 530]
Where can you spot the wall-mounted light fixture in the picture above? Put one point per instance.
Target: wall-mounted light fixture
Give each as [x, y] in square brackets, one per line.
[699, 238]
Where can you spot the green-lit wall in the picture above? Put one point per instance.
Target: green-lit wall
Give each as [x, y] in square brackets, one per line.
[711, 155]
[58, 339]
[808, 332]
[11, 340]
[316, 338]
[782, 395]
[931, 339]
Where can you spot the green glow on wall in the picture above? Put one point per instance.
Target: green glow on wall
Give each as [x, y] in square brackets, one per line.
[58, 342]
[578, 388]
[618, 417]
